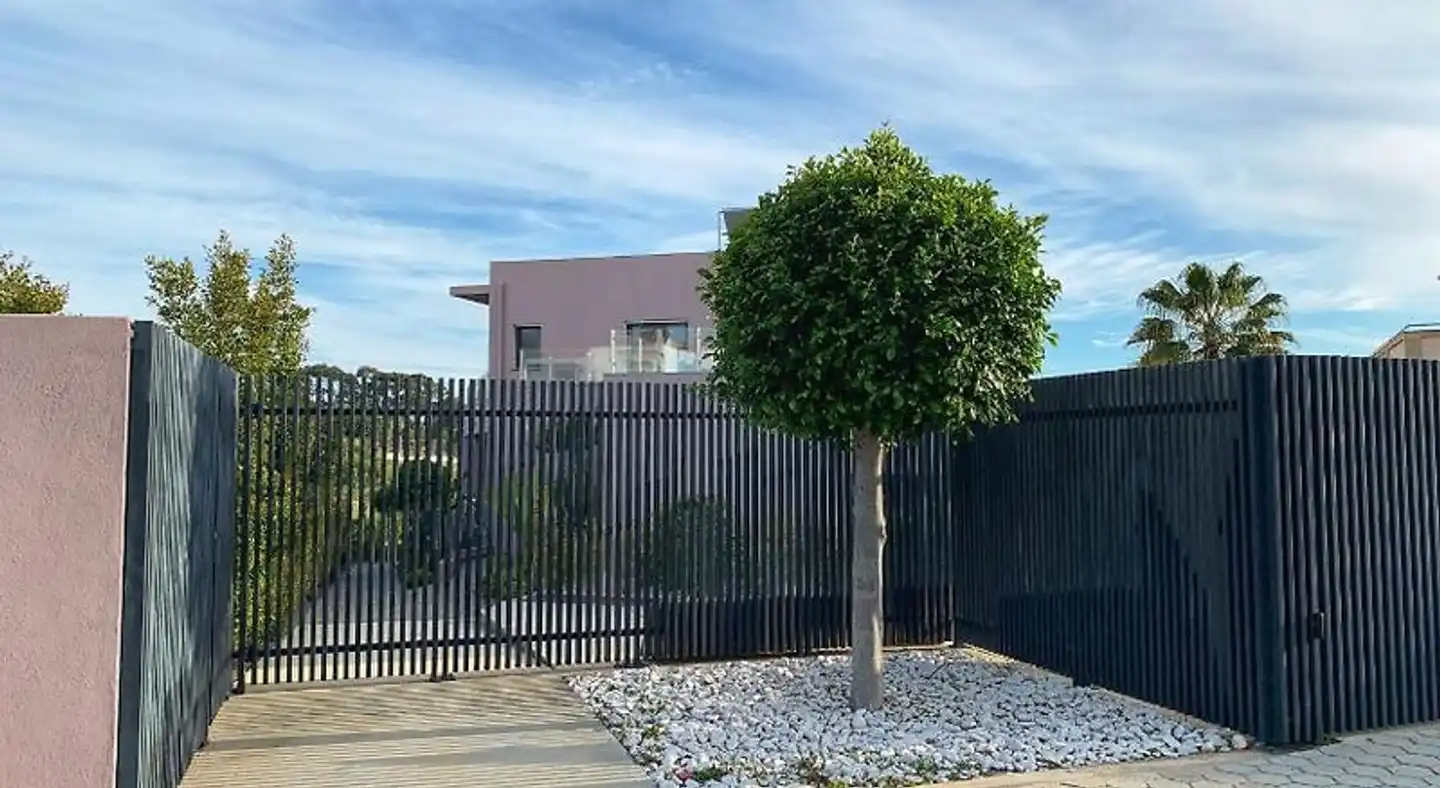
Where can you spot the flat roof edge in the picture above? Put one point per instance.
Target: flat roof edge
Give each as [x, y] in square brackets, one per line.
[587, 258]
[480, 294]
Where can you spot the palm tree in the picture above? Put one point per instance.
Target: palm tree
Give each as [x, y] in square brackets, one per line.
[1204, 314]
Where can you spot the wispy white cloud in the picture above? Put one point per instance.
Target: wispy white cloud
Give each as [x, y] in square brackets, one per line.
[1344, 341]
[1109, 339]
[1323, 133]
[405, 145]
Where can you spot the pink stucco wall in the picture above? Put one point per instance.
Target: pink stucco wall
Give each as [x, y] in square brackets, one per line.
[63, 394]
[579, 301]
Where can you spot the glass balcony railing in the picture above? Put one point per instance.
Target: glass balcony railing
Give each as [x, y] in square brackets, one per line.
[627, 354]
[632, 353]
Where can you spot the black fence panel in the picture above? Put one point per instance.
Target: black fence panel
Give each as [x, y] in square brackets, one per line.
[176, 664]
[920, 511]
[1252, 541]
[1359, 460]
[403, 525]
[1114, 534]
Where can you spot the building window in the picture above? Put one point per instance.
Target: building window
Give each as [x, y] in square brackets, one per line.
[527, 344]
[648, 333]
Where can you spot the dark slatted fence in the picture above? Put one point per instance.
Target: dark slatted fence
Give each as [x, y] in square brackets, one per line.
[1253, 542]
[402, 525]
[1358, 488]
[176, 664]
[1111, 535]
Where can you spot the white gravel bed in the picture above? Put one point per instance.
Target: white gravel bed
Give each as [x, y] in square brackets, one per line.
[948, 716]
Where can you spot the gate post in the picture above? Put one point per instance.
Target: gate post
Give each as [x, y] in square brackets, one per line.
[240, 556]
[1260, 382]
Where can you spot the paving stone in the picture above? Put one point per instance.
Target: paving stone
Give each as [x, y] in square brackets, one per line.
[1429, 748]
[1359, 781]
[1156, 782]
[1366, 770]
[1373, 759]
[1419, 759]
[1266, 779]
[1388, 749]
[1398, 781]
[1246, 768]
[1411, 770]
[1312, 778]
[1397, 759]
[1326, 763]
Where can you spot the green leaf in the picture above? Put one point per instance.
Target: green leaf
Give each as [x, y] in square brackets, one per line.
[24, 292]
[869, 293]
[1207, 314]
[254, 324]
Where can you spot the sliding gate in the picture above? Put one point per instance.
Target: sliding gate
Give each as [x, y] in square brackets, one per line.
[395, 525]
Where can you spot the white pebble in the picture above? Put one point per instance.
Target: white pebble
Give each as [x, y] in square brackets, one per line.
[948, 716]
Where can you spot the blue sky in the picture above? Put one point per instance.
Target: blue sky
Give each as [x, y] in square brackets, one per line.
[405, 144]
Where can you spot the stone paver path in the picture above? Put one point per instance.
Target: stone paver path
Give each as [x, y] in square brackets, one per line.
[1403, 758]
[504, 731]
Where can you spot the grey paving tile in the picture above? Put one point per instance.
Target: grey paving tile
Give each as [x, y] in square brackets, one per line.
[1359, 781]
[1425, 772]
[1415, 758]
[1367, 770]
[1374, 759]
[1312, 778]
[1398, 781]
[1259, 779]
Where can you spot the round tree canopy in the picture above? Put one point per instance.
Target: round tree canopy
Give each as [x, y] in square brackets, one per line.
[869, 294]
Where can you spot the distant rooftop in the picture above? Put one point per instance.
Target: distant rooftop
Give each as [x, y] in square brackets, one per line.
[1411, 330]
[591, 258]
[480, 293]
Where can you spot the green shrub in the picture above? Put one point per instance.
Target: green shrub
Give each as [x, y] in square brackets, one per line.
[291, 530]
[545, 551]
[412, 504]
[418, 486]
[285, 554]
[698, 546]
[691, 547]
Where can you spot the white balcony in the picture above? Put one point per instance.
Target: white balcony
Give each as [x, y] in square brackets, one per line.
[626, 354]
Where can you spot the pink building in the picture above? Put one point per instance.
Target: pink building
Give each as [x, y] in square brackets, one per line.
[594, 318]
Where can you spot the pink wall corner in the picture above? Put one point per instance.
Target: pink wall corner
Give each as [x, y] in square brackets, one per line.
[579, 301]
[64, 384]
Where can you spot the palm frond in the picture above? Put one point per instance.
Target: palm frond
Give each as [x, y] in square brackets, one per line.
[1164, 298]
[1208, 314]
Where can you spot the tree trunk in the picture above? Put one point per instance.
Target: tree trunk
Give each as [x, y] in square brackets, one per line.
[867, 620]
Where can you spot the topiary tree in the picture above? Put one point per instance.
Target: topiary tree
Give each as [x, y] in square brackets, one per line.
[869, 299]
